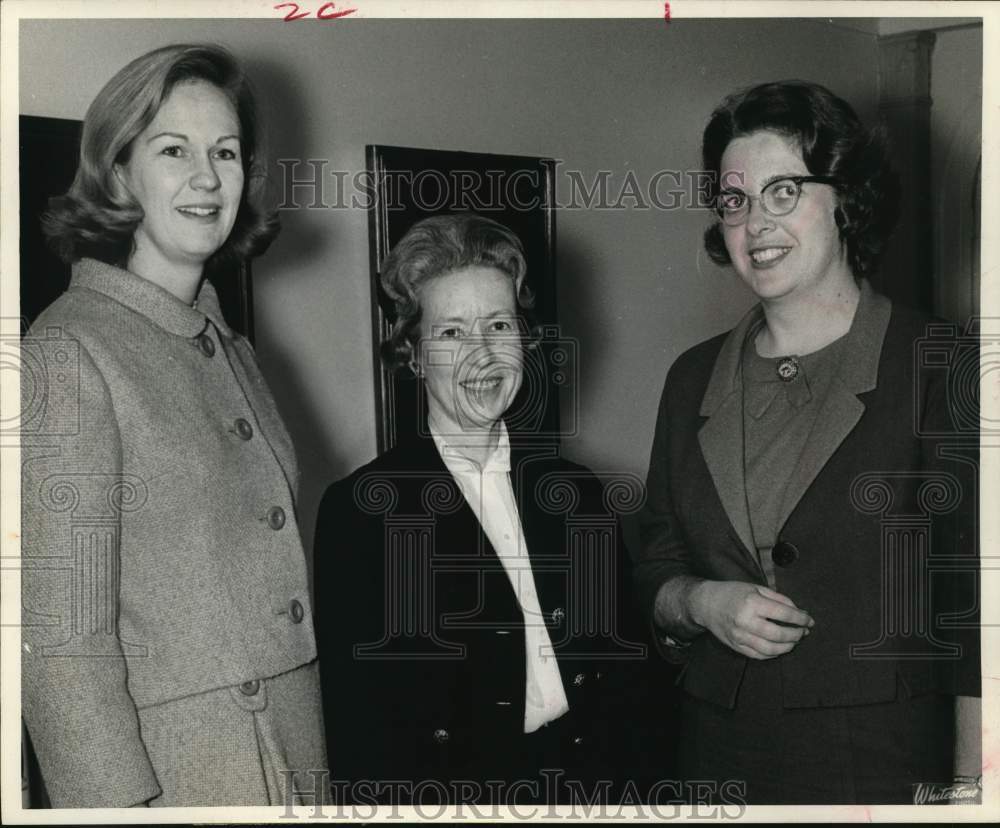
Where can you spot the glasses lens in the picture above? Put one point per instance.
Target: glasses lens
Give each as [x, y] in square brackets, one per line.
[780, 197]
[731, 205]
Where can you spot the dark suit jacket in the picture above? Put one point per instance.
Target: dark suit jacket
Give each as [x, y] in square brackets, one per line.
[880, 513]
[420, 637]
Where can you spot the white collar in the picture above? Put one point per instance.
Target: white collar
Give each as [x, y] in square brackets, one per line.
[454, 458]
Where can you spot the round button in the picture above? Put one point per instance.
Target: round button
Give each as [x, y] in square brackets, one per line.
[243, 429]
[276, 517]
[578, 679]
[206, 345]
[441, 735]
[250, 688]
[558, 614]
[296, 611]
[577, 740]
[784, 553]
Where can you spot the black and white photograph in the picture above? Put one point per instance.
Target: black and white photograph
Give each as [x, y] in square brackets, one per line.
[499, 411]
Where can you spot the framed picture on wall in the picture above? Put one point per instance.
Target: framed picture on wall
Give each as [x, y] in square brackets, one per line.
[50, 153]
[409, 184]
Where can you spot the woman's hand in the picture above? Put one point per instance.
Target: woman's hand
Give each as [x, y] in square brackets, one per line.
[753, 620]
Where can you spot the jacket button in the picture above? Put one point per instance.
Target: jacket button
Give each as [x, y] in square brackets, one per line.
[784, 553]
[206, 345]
[244, 429]
[577, 740]
[296, 611]
[441, 735]
[250, 688]
[578, 679]
[558, 614]
[276, 517]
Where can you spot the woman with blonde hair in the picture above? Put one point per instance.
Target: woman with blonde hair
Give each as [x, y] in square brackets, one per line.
[168, 654]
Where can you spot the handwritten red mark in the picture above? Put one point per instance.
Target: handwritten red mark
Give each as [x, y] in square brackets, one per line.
[328, 11]
[666, 12]
[294, 14]
[332, 14]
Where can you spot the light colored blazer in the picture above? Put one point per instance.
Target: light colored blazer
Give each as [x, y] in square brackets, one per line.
[165, 599]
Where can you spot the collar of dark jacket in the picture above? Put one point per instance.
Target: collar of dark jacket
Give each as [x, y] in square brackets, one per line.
[160, 306]
[858, 371]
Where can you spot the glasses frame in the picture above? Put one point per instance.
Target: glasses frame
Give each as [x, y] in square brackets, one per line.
[735, 220]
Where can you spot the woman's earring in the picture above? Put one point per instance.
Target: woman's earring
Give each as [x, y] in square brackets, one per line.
[414, 366]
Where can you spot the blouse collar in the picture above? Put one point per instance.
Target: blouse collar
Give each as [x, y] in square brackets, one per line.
[857, 371]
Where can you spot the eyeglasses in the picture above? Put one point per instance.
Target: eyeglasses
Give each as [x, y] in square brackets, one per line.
[778, 198]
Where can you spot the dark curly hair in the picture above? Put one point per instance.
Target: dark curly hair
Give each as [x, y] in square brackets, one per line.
[833, 143]
[98, 217]
[434, 247]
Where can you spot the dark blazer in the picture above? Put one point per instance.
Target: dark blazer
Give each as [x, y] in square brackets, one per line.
[420, 637]
[879, 537]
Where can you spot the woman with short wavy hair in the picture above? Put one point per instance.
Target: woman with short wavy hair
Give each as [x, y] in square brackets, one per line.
[474, 647]
[438, 245]
[177, 664]
[818, 667]
[834, 144]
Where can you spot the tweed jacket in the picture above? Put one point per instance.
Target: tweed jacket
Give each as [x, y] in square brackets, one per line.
[878, 537]
[161, 555]
[421, 640]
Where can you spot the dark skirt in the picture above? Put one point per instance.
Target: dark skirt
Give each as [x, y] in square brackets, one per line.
[865, 754]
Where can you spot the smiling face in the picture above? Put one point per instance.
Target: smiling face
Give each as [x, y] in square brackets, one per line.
[469, 351]
[186, 172]
[780, 256]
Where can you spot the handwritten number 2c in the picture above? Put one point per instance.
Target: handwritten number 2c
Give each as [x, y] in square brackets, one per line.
[328, 11]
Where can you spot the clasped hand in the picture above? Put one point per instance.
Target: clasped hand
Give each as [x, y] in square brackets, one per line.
[751, 619]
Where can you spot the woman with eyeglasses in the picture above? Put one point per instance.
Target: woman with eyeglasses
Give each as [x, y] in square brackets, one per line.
[824, 664]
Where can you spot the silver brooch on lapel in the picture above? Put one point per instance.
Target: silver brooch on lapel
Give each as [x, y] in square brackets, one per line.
[787, 368]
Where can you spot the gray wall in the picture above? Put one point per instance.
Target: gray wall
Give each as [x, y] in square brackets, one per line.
[635, 287]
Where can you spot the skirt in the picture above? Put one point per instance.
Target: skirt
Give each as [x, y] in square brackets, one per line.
[261, 743]
[771, 755]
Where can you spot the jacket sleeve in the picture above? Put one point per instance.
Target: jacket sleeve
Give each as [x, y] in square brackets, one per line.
[663, 554]
[346, 559]
[75, 702]
[635, 691]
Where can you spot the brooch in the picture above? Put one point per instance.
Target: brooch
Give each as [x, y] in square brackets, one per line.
[788, 369]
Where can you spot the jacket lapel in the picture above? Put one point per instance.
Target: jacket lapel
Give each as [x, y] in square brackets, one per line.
[721, 436]
[441, 497]
[539, 521]
[840, 409]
